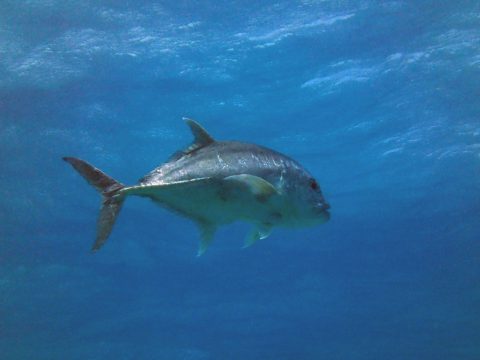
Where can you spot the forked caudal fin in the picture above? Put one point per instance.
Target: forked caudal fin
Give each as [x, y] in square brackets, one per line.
[111, 201]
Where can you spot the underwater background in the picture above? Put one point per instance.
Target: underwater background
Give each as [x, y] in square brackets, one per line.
[379, 100]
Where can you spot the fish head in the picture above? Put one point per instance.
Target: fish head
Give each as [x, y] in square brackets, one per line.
[311, 206]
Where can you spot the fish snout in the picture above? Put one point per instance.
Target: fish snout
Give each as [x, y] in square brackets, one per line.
[322, 213]
[323, 206]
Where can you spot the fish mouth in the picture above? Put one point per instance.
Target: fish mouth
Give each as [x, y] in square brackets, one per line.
[322, 211]
[321, 207]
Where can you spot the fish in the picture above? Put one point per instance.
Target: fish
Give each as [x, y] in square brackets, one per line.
[215, 183]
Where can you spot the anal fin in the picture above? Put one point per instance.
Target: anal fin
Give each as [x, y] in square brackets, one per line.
[207, 232]
[261, 231]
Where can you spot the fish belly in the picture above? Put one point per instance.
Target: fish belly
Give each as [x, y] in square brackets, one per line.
[213, 205]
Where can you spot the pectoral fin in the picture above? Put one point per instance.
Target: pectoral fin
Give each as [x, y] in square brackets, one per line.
[257, 186]
[261, 231]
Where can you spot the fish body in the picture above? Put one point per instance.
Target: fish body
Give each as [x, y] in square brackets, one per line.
[218, 182]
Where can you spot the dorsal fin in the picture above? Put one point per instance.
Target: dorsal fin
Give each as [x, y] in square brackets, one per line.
[202, 137]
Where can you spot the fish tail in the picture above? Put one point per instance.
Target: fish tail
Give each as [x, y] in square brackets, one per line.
[112, 199]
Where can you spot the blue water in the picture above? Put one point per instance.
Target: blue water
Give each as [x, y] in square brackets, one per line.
[379, 100]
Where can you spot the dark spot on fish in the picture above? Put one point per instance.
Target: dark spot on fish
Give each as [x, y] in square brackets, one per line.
[314, 185]
[222, 194]
[261, 198]
[276, 215]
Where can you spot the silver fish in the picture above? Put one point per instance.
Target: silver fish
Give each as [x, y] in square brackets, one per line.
[215, 183]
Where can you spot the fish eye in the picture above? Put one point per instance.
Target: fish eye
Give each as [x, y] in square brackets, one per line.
[313, 185]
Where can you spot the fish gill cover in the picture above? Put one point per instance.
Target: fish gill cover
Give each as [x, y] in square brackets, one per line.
[379, 100]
